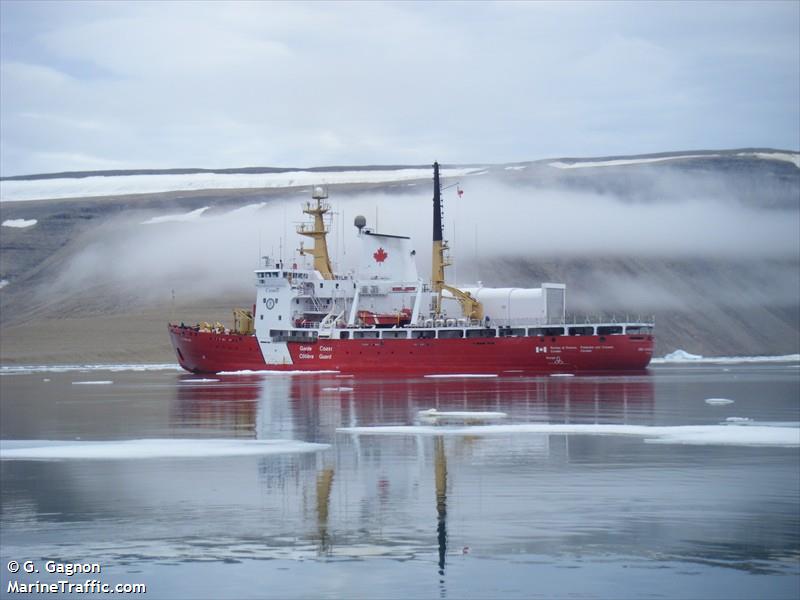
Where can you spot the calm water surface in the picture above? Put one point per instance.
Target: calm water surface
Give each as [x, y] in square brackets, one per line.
[413, 514]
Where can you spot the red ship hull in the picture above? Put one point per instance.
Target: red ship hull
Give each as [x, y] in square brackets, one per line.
[207, 352]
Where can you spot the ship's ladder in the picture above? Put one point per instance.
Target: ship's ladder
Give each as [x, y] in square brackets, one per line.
[316, 304]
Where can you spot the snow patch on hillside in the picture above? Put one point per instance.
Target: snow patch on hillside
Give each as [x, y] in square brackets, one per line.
[190, 216]
[19, 223]
[559, 164]
[120, 185]
[792, 157]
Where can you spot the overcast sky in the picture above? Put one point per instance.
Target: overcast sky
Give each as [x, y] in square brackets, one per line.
[159, 85]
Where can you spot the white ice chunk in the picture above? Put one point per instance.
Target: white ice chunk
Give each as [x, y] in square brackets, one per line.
[148, 448]
[446, 375]
[681, 356]
[728, 435]
[435, 415]
[27, 369]
[718, 401]
[272, 372]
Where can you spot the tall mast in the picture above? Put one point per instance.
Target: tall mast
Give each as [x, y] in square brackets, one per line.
[471, 308]
[317, 232]
[438, 261]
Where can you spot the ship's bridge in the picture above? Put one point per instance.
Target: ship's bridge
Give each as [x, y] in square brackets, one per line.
[267, 276]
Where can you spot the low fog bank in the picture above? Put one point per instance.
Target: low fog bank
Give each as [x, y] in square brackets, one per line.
[752, 182]
[706, 306]
[204, 253]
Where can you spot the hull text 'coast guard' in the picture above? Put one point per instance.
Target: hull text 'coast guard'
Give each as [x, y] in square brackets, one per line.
[385, 318]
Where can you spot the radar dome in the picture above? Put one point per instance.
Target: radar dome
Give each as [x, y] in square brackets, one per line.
[360, 222]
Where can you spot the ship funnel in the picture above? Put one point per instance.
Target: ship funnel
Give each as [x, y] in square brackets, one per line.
[360, 222]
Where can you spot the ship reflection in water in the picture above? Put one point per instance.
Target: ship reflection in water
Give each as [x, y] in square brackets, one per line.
[378, 475]
[315, 405]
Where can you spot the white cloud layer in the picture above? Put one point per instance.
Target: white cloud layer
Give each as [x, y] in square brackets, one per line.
[142, 253]
[206, 84]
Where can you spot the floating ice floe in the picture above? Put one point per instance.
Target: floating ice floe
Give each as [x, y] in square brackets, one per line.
[516, 168]
[718, 401]
[19, 223]
[148, 448]
[562, 375]
[272, 372]
[337, 389]
[27, 369]
[199, 380]
[92, 382]
[437, 416]
[739, 420]
[3, 283]
[180, 218]
[681, 356]
[446, 375]
[725, 435]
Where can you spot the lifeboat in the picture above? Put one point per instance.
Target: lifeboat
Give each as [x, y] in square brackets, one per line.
[396, 319]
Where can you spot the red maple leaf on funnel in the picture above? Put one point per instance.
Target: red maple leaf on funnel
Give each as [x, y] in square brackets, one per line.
[380, 255]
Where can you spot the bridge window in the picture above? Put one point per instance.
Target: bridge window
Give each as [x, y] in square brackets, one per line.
[512, 332]
[545, 331]
[639, 329]
[395, 335]
[609, 329]
[446, 334]
[359, 335]
[585, 330]
[481, 333]
[423, 334]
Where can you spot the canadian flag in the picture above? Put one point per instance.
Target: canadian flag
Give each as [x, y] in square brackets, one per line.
[380, 255]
